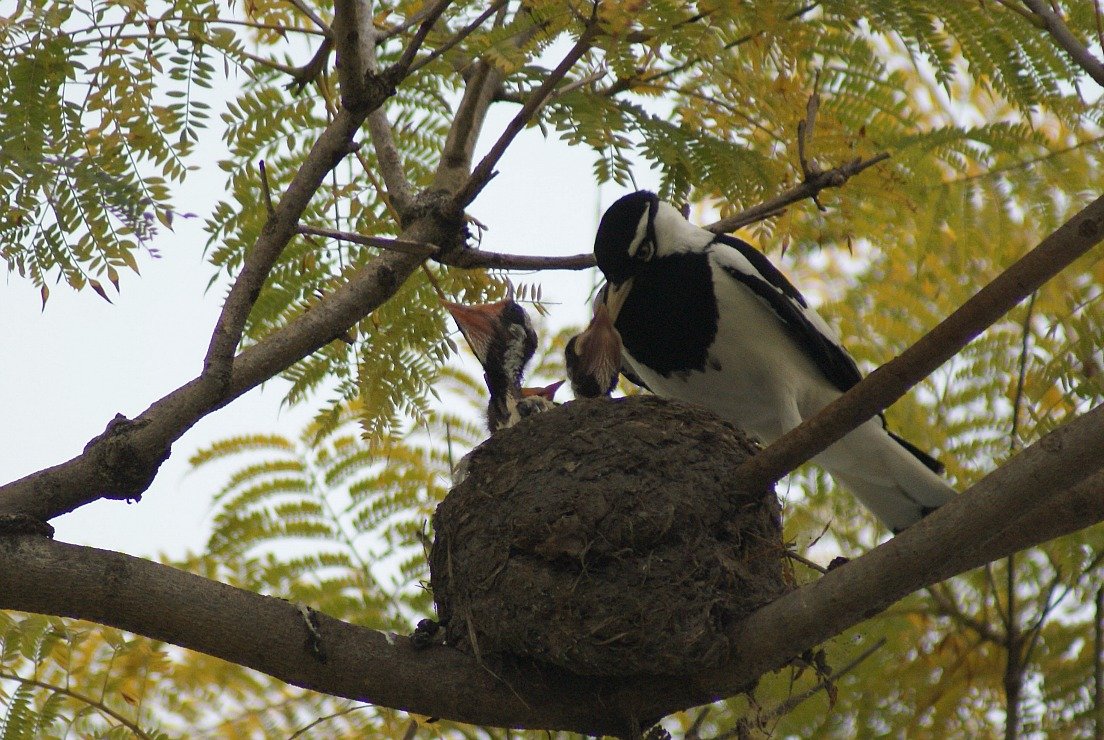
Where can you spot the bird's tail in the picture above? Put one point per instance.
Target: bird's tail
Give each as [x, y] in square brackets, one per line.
[889, 476]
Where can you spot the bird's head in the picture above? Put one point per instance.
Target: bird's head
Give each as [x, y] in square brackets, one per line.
[594, 356]
[639, 228]
[503, 340]
[500, 334]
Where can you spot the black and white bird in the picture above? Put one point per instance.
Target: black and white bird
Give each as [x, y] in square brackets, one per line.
[503, 340]
[706, 318]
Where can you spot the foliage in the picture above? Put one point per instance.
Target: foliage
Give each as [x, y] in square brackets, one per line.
[994, 139]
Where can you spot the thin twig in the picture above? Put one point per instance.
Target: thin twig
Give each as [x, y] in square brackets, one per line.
[267, 189]
[1025, 163]
[832, 178]
[458, 36]
[349, 709]
[621, 85]
[484, 171]
[794, 701]
[419, 249]
[804, 561]
[99, 706]
[415, 44]
[949, 608]
[308, 11]
[466, 259]
[383, 35]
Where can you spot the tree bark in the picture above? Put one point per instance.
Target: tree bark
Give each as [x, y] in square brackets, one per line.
[1050, 489]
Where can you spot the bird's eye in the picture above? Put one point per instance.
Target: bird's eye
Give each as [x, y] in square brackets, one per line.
[646, 250]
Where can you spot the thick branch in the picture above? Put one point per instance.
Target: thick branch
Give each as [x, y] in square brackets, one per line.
[467, 123]
[1046, 491]
[1057, 28]
[121, 462]
[467, 259]
[892, 380]
[355, 41]
[812, 185]
[278, 230]
[383, 140]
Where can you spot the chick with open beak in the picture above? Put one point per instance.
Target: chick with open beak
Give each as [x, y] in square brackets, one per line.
[594, 357]
[503, 340]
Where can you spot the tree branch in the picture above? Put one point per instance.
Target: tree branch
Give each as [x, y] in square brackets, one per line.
[1057, 28]
[415, 44]
[484, 171]
[122, 462]
[309, 12]
[946, 605]
[812, 185]
[459, 36]
[1044, 492]
[467, 123]
[355, 39]
[467, 258]
[794, 702]
[278, 230]
[892, 380]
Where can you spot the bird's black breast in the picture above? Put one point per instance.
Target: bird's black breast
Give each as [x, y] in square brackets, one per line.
[669, 319]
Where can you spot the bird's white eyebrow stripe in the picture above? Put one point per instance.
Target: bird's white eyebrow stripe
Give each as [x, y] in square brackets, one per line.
[641, 234]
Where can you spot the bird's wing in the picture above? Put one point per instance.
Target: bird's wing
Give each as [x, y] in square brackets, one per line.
[744, 263]
[626, 369]
[749, 266]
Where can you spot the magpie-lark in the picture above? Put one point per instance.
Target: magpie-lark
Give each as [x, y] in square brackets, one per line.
[707, 318]
[594, 357]
[503, 340]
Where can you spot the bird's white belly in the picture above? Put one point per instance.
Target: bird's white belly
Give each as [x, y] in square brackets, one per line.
[755, 376]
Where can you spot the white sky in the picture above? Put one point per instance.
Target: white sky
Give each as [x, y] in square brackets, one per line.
[69, 369]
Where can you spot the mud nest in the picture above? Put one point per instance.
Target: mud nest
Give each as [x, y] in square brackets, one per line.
[606, 537]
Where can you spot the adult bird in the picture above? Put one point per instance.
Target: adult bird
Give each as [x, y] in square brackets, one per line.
[503, 340]
[706, 318]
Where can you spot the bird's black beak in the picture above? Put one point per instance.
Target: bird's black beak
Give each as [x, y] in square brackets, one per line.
[477, 323]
